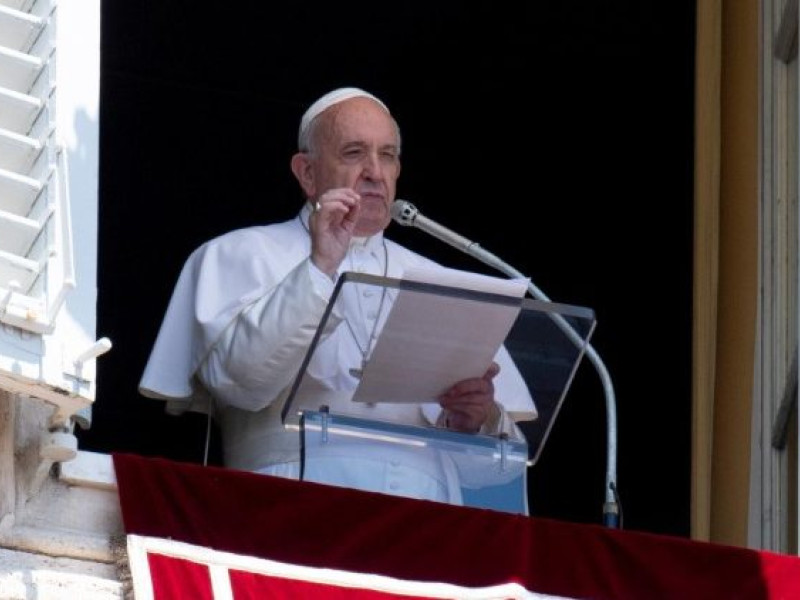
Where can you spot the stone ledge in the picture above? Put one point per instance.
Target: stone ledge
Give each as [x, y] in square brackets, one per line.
[89, 469]
[59, 544]
[25, 575]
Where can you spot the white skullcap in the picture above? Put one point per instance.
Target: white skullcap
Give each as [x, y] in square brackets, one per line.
[330, 99]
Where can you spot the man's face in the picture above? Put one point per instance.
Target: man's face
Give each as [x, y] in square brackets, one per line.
[358, 148]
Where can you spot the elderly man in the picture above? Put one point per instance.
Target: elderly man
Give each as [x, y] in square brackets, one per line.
[248, 304]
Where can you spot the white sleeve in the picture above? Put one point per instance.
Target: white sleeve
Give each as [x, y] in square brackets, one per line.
[259, 352]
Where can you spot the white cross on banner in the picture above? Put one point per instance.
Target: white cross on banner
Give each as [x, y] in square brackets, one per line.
[164, 569]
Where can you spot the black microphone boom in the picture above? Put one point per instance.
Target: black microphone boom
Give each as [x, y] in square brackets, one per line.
[405, 213]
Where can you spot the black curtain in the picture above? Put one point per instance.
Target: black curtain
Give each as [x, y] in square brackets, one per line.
[558, 137]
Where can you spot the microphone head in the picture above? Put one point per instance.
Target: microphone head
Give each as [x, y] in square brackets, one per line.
[404, 212]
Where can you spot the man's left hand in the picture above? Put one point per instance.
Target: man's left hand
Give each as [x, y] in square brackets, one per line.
[469, 404]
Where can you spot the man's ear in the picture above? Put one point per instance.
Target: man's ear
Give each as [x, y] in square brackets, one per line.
[301, 167]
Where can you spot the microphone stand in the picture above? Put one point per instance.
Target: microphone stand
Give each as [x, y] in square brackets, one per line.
[611, 517]
[611, 512]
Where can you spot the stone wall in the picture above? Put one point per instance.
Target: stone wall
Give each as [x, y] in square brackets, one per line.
[61, 533]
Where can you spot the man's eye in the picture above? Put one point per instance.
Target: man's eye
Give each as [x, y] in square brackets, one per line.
[353, 154]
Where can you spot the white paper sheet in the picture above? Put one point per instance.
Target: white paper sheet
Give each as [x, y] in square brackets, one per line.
[430, 342]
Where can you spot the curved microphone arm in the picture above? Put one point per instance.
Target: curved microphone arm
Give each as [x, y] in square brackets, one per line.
[406, 214]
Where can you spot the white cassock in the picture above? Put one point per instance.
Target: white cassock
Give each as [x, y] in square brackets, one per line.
[242, 316]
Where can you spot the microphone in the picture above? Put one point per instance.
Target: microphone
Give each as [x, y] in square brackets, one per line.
[406, 214]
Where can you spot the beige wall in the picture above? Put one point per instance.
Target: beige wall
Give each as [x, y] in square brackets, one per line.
[726, 267]
[738, 272]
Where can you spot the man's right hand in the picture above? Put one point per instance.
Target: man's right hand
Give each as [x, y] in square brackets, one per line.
[331, 223]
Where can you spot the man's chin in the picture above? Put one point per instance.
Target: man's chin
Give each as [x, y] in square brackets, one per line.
[363, 232]
[373, 218]
[369, 227]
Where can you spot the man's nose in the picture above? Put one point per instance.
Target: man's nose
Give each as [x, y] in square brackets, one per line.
[372, 166]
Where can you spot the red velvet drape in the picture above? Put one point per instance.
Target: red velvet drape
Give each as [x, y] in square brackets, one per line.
[322, 526]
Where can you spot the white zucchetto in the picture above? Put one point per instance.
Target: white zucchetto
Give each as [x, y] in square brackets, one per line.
[330, 99]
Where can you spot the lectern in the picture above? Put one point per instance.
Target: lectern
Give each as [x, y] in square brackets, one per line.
[429, 337]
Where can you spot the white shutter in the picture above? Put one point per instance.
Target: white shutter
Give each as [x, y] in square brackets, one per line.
[49, 131]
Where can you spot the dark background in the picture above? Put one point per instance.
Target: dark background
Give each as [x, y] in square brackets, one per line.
[559, 136]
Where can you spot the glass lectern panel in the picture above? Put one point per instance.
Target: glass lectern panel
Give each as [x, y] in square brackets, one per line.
[476, 470]
[387, 348]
